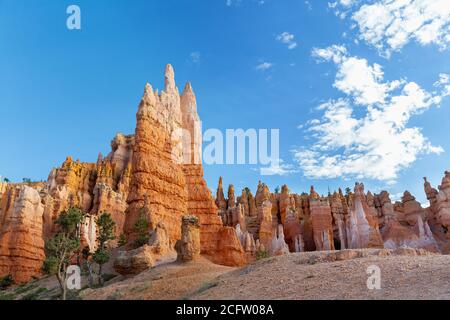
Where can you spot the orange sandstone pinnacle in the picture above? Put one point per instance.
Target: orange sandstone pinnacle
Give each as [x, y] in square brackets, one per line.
[154, 172]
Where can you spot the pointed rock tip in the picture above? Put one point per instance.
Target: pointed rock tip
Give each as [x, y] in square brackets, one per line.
[169, 79]
[148, 89]
[188, 88]
[169, 69]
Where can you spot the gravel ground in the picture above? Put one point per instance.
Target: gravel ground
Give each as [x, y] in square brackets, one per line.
[405, 274]
[311, 276]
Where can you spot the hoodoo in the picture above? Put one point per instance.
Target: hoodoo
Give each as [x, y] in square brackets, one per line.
[158, 172]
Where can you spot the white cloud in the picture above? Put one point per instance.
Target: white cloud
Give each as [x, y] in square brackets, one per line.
[366, 134]
[230, 3]
[308, 5]
[278, 168]
[335, 53]
[444, 84]
[347, 3]
[288, 39]
[195, 57]
[389, 25]
[264, 66]
[356, 77]
[443, 79]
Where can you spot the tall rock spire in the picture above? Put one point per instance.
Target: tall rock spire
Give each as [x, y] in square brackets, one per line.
[148, 98]
[170, 86]
[192, 134]
[220, 197]
[188, 100]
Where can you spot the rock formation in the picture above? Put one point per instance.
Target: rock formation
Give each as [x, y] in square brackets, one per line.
[362, 230]
[134, 261]
[21, 233]
[166, 168]
[321, 222]
[156, 170]
[159, 169]
[157, 251]
[188, 248]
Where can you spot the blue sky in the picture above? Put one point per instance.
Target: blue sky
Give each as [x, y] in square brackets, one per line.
[68, 92]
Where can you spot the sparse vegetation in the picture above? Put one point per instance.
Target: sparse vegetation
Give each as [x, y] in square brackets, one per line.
[122, 240]
[141, 228]
[262, 254]
[7, 296]
[61, 249]
[115, 296]
[35, 295]
[6, 282]
[24, 288]
[106, 226]
[347, 191]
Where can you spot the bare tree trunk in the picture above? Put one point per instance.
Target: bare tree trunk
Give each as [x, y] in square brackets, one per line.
[62, 284]
[91, 275]
[100, 278]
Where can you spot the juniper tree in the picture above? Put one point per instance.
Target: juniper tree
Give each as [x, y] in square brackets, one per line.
[105, 225]
[141, 228]
[61, 249]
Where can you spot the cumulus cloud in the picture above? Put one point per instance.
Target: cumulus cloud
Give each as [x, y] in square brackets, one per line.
[389, 25]
[365, 134]
[264, 66]
[356, 77]
[288, 39]
[444, 84]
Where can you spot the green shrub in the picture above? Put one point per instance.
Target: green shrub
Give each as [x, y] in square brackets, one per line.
[262, 254]
[122, 240]
[35, 294]
[141, 227]
[7, 296]
[6, 282]
[24, 288]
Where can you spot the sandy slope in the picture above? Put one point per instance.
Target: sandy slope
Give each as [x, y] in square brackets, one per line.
[165, 282]
[304, 276]
[405, 274]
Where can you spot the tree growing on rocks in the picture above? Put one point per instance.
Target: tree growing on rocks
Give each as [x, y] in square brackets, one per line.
[141, 228]
[105, 225]
[122, 240]
[62, 248]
